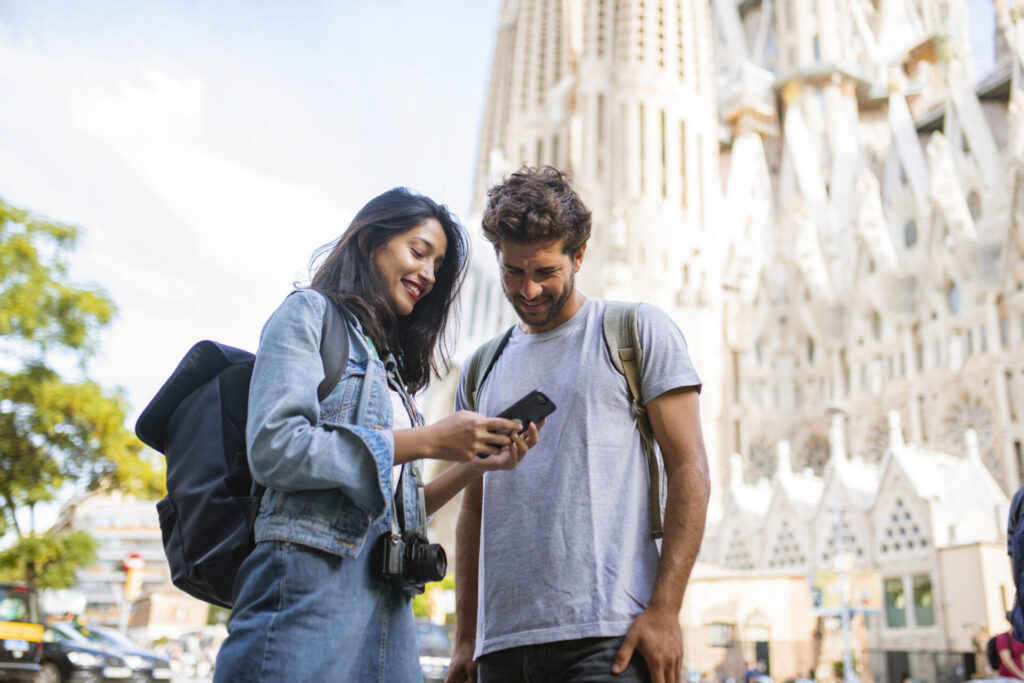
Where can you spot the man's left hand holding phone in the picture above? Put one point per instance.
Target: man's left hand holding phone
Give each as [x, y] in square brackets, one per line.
[530, 412]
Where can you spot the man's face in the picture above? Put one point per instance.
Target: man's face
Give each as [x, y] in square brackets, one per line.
[539, 279]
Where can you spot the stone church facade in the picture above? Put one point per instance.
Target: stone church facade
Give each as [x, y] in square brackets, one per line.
[828, 199]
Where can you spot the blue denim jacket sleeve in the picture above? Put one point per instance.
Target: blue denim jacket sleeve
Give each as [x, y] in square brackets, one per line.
[288, 449]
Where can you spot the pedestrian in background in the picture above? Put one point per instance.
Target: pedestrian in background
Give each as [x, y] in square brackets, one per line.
[1011, 656]
[1015, 549]
[312, 602]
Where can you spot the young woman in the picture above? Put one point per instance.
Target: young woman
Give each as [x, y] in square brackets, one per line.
[312, 601]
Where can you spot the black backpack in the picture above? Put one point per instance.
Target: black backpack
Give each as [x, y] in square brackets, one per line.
[197, 420]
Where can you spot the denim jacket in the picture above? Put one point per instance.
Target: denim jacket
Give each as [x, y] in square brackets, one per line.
[326, 464]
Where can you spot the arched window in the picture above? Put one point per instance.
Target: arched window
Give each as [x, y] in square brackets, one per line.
[953, 298]
[910, 232]
[974, 205]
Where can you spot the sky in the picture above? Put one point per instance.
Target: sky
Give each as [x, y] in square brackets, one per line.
[981, 15]
[207, 149]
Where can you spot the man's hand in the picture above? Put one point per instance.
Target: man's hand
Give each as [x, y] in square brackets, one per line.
[462, 667]
[658, 638]
[510, 455]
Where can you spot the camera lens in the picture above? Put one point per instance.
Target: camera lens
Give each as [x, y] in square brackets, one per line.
[428, 562]
[542, 399]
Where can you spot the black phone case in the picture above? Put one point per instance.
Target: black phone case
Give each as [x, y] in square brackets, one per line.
[533, 407]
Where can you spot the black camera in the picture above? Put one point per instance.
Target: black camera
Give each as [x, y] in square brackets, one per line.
[409, 561]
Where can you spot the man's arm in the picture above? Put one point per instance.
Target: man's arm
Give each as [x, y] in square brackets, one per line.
[675, 419]
[467, 562]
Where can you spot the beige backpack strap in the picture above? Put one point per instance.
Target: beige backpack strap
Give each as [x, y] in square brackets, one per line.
[622, 337]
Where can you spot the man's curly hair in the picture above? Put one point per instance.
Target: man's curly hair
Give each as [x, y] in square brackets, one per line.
[536, 205]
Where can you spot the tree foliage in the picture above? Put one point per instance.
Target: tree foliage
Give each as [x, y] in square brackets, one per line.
[55, 430]
[427, 602]
[37, 303]
[48, 560]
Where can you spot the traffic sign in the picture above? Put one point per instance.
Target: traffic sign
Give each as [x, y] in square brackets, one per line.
[133, 561]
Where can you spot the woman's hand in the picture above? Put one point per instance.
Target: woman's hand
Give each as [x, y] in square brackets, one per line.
[461, 436]
[510, 456]
[454, 479]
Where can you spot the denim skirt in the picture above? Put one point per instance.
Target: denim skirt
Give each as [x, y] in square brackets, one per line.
[305, 615]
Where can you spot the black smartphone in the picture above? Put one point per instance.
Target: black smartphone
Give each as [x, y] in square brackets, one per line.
[533, 407]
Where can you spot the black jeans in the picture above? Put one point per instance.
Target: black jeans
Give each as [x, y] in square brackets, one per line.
[578, 661]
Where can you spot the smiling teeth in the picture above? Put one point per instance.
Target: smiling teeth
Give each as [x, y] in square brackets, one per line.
[411, 287]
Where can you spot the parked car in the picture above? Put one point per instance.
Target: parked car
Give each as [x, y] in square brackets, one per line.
[148, 665]
[21, 633]
[68, 657]
[435, 646]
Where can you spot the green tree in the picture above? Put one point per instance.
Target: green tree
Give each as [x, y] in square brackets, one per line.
[55, 431]
[433, 591]
[217, 616]
[53, 556]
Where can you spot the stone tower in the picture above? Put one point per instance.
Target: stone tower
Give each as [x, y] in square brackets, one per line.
[873, 186]
[828, 198]
[621, 94]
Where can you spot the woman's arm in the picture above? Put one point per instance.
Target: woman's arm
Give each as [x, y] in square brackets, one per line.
[457, 438]
[444, 487]
[287, 450]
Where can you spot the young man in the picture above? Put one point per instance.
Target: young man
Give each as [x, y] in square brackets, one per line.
[558, 577]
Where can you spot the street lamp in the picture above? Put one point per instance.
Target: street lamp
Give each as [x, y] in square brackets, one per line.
[844, 563]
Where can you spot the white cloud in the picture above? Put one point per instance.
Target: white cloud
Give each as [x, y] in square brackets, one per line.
[189, 241]
[207, 152]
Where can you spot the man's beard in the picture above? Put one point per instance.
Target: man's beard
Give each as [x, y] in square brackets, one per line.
[563, 299]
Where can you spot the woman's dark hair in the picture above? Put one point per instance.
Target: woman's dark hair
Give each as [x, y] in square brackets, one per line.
[536, 205]
[346, 274]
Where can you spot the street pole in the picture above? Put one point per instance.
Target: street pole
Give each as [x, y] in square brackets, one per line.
[844, 598]
[122, 607]
[122, 622]
[132, 564]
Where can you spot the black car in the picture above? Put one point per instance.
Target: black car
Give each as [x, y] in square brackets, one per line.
[148, 665]
[21, 633]
[435, 645]
[69, 657]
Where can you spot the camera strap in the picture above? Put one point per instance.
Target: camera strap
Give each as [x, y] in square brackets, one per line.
[416, 419]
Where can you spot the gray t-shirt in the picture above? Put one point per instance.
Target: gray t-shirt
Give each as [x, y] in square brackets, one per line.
[566, 550]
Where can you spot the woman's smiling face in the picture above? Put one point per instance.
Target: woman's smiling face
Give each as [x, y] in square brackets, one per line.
[408, 264]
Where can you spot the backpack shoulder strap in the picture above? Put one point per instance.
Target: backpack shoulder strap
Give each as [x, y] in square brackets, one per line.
[333, 349]
[622, 337]
[479, 365]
